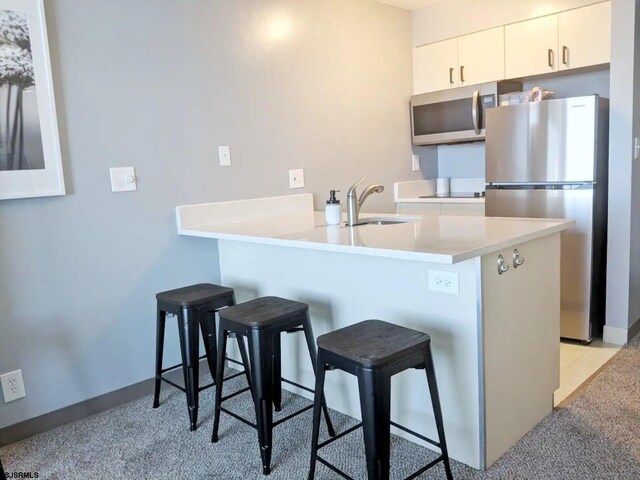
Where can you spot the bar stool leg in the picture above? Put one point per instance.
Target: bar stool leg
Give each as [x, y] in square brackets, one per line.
[260, 358]
[245, 361]
[311, 346]
[222, 348]
[208, 327]
[277, 373]
[375, 404]
[317, 409]
[188, 320]
[160, 324]
[437, 411]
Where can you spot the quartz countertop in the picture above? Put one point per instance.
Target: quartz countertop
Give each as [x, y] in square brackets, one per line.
[434, 199]
[290, 221]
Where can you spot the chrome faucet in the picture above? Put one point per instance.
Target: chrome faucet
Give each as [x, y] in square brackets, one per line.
[354, 203]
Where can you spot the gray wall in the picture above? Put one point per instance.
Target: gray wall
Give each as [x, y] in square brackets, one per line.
[158, 84]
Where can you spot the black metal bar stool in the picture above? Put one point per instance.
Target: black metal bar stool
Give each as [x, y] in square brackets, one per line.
[262, 321]
[193, 305]
[374, 351]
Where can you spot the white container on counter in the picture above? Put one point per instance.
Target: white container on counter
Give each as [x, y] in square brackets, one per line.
[443, 187]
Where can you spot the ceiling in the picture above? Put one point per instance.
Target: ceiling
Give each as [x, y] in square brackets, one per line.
[408, 4]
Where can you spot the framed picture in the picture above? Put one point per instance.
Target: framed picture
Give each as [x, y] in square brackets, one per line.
[30, 160]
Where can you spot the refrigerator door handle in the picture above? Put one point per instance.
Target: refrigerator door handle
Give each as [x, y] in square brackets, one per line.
[474, 111]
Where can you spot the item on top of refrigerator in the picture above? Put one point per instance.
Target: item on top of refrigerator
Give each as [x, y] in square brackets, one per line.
[536, 94]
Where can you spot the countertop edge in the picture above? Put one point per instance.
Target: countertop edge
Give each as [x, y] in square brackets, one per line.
[326, 247]
[381, 252]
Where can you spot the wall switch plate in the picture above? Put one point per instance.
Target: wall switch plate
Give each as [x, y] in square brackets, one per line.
[636, 148]
[123, 179]
[12, 386]
[444, 282]
[296, 178]
[224, 153]
[415, 163]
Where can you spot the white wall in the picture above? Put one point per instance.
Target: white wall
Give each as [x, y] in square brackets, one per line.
[634, 278]
[321, 85]
[623, 281]
[452, 18]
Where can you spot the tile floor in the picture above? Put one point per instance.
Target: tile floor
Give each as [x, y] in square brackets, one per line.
[579, 362]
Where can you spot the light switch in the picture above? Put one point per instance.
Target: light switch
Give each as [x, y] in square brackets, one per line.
[415, 163]
[123, 179]
[225, 156]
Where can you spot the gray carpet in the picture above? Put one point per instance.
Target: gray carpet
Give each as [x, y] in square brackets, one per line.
[595, 435]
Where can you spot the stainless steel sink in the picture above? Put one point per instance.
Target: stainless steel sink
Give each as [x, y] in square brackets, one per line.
[385, 220]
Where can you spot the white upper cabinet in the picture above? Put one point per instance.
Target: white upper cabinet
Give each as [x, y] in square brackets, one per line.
[572, 39]
[435, 66]
[531, 47]
[585, 36]
[481, 57]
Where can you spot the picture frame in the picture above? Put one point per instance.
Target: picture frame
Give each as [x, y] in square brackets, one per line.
[30, 157]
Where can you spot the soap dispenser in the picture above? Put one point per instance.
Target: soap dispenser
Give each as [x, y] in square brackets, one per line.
[332, 210]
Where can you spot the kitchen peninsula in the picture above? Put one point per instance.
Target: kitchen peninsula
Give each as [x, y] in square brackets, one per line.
[494, 335]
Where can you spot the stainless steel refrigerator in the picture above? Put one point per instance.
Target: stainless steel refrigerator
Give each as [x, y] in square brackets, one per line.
[549, 160]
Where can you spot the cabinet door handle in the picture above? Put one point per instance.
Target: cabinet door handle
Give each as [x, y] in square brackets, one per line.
[565, 55]
[550, 57]
[517, 259]
[451, 75]
[462, 73]
[502, 267]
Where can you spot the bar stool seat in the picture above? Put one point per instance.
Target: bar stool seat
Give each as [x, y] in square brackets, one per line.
[195, 295]
[374, 351]
[193, 306]
[262, 321]
[265, 312]
[374, 343]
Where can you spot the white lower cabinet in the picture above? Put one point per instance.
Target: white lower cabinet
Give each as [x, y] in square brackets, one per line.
[463, 209]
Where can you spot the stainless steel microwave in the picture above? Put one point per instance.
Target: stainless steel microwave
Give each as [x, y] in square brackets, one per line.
[455, 115]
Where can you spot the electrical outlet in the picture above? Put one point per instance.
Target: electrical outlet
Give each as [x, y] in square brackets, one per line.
[296, 178]
[12, 386]
[224, 153]
[415, 163]
[444, 282]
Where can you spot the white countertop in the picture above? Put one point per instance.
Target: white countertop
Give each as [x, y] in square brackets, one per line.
[291, 221]
[476, 200]
[411, 191]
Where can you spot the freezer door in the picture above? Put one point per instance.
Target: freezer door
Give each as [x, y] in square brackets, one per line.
[576, 257]
[542, 142]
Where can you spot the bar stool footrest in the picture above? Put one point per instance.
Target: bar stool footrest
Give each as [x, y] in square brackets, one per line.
[238, 417]
[415, 434]
[294, 414]
[231, 395]
[173, 384]
[310, 390]
[355, 427]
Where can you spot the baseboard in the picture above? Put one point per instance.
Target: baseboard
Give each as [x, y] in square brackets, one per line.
[33, 426]
[633, 330]
[616, 335]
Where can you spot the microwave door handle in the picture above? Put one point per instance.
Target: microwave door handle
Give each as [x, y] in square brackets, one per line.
[474, 112]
